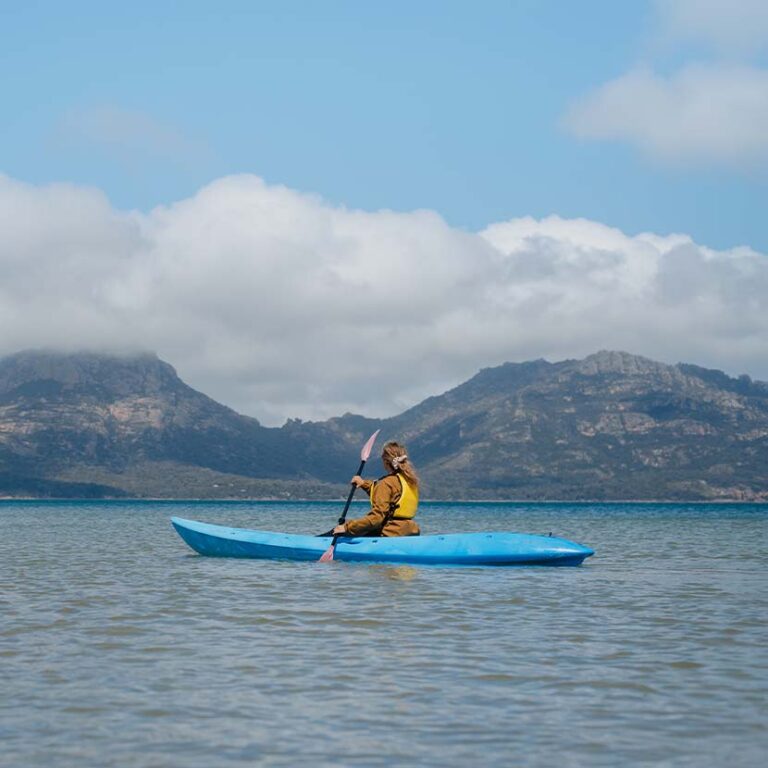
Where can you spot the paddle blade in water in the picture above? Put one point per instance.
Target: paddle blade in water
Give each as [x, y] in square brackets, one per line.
[327, 555]
[366, 452]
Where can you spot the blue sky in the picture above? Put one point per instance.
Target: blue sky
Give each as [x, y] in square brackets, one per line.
[291, 200]
[456, 107]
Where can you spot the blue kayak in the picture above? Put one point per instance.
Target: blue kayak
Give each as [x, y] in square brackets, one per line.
[441, 549]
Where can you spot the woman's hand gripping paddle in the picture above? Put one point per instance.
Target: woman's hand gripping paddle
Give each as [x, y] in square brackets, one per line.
[364, 454]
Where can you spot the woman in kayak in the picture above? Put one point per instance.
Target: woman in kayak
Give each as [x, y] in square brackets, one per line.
[394, 499]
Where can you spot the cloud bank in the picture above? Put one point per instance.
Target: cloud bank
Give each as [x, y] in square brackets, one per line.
[281, 305]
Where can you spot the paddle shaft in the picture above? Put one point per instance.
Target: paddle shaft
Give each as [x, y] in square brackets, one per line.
[364, 454]
[351, 494]
[346, 506]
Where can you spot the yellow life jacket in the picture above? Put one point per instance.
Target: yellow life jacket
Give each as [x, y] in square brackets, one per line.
[405, 509]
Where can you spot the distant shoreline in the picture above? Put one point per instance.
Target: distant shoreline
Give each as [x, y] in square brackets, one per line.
[431, 502]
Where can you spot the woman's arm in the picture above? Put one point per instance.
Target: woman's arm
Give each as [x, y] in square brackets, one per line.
[362, 483]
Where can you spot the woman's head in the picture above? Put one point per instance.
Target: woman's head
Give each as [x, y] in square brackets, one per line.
[395, 459]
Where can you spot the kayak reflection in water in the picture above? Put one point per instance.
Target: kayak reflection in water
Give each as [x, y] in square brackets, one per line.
[394, 498]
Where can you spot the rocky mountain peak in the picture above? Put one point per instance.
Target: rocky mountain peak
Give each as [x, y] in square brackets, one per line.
[622, 363]
[105, 375]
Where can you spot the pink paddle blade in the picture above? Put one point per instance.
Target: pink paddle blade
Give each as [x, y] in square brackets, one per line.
[327, 555]
[366, 452]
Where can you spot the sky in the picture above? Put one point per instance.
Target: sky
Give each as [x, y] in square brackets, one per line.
[310, 208]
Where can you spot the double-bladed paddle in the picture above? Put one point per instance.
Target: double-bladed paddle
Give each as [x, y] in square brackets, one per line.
[364, 454]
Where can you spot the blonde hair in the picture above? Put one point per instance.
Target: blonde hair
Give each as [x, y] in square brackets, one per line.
[395, 456]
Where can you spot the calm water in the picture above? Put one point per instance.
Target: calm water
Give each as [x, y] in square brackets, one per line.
[121, 647]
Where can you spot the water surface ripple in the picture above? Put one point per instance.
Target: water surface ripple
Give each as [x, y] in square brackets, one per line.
[121, 647]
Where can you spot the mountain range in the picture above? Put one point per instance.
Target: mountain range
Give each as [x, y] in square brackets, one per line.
[611, 426]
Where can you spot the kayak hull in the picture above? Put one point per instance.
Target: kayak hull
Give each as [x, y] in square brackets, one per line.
[444, 549]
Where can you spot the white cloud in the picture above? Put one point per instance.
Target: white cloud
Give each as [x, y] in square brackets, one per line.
[710, 114]
[281, 305]
[733, 27]
[131, 135]
[712, 110]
